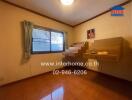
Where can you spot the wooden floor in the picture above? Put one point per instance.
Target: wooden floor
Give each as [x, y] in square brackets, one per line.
[93, 86]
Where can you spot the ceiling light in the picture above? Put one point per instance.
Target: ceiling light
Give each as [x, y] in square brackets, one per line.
[67, 2]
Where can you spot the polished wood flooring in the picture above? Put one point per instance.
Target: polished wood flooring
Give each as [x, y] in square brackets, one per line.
[93, 86]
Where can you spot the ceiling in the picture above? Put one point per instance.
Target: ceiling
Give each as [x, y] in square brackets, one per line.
[74, 14]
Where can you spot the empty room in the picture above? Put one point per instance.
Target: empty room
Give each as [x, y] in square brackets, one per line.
[65, 49]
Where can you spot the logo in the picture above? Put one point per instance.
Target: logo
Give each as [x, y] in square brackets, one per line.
[117, 11]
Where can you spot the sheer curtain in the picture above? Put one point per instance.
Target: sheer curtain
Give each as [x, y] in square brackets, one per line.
[28, 28]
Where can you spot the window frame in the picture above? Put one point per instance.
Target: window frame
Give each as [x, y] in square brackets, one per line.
[50, 30]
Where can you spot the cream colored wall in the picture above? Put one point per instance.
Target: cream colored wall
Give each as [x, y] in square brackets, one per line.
[11, 68]
[107, 26]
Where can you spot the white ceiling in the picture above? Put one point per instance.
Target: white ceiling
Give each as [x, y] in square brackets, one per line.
[74, 14]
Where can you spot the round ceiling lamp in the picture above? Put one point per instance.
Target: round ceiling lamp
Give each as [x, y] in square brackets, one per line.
[67, 2]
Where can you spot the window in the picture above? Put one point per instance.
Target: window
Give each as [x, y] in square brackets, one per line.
[47, 40]
[56, 41]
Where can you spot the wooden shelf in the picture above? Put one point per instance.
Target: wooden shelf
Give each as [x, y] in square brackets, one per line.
[107, 57]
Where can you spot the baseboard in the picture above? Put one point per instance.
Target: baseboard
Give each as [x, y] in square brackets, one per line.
[17, 81]
[65, 68]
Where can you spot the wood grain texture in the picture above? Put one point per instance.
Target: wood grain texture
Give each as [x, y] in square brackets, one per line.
[93, 86]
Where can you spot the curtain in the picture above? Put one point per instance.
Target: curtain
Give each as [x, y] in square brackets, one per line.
[28, 27]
